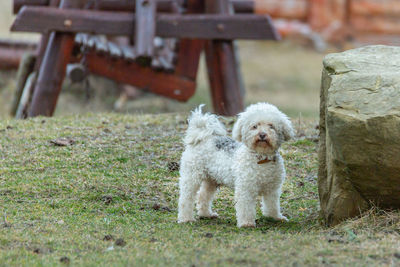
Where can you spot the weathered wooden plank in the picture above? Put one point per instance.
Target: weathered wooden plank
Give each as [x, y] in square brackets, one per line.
[165, 6]
[165, 84]
[11, 52]
[227, 27]
[209, 26]
[111, 5]
[16, 44]
[10, 57]
[145, 28]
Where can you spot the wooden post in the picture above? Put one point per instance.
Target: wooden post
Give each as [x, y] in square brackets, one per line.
[25, 68]
[145, 29]
[52, 70]
[222, 66]
[23, 106]
[190, 49]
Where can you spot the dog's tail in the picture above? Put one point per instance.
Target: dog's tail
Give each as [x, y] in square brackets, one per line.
[202, 126]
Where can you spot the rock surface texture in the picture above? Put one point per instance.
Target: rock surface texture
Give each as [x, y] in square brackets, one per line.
[359, 132]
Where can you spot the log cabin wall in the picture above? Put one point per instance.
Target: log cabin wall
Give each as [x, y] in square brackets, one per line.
[338, 21]
[373, 20]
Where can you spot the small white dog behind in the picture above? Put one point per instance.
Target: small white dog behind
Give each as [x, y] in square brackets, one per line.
[249, 163]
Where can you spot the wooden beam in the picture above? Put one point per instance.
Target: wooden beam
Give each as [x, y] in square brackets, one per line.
[223, 68]
[11, 52]
[51, 74]
[25, 101]
[52, 69]
[190, 49]
[16, 44]
[161, 83]
[240, 6]
[189, 57]
[10, 58]
[223, 27]
[145, 29]
[208, 26]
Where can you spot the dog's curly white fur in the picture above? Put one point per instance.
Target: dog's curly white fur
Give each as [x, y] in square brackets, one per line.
[249, 163]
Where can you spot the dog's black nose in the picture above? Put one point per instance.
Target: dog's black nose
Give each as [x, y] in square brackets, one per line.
[262, 136]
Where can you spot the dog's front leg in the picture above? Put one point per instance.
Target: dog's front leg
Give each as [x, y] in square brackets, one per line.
[270, 205]
[245, 207]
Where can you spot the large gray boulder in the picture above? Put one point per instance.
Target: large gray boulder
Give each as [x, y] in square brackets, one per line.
[359, 132]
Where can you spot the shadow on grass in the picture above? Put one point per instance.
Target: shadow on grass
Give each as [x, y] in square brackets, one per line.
[263, 224]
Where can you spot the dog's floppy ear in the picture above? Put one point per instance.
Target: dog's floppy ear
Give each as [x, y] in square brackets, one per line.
[237, 129]
[287, 129]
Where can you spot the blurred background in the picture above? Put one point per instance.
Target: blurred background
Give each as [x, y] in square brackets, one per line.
[285, 73]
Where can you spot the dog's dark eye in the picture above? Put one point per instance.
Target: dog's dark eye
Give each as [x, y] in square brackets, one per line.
[255, 126]
[271, 126]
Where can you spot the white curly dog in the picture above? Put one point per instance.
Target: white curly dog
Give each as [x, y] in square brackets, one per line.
[250, 163]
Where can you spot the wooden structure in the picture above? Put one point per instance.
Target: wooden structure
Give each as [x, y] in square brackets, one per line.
[328, 21]
[168, 37]
[336, 21]
[11, 52]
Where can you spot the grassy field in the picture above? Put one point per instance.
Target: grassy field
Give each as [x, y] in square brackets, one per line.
[110, 199]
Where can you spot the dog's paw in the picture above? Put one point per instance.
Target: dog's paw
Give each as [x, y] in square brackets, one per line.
[281, 218]
[247, 225]
[186, 220]
[212, 215]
